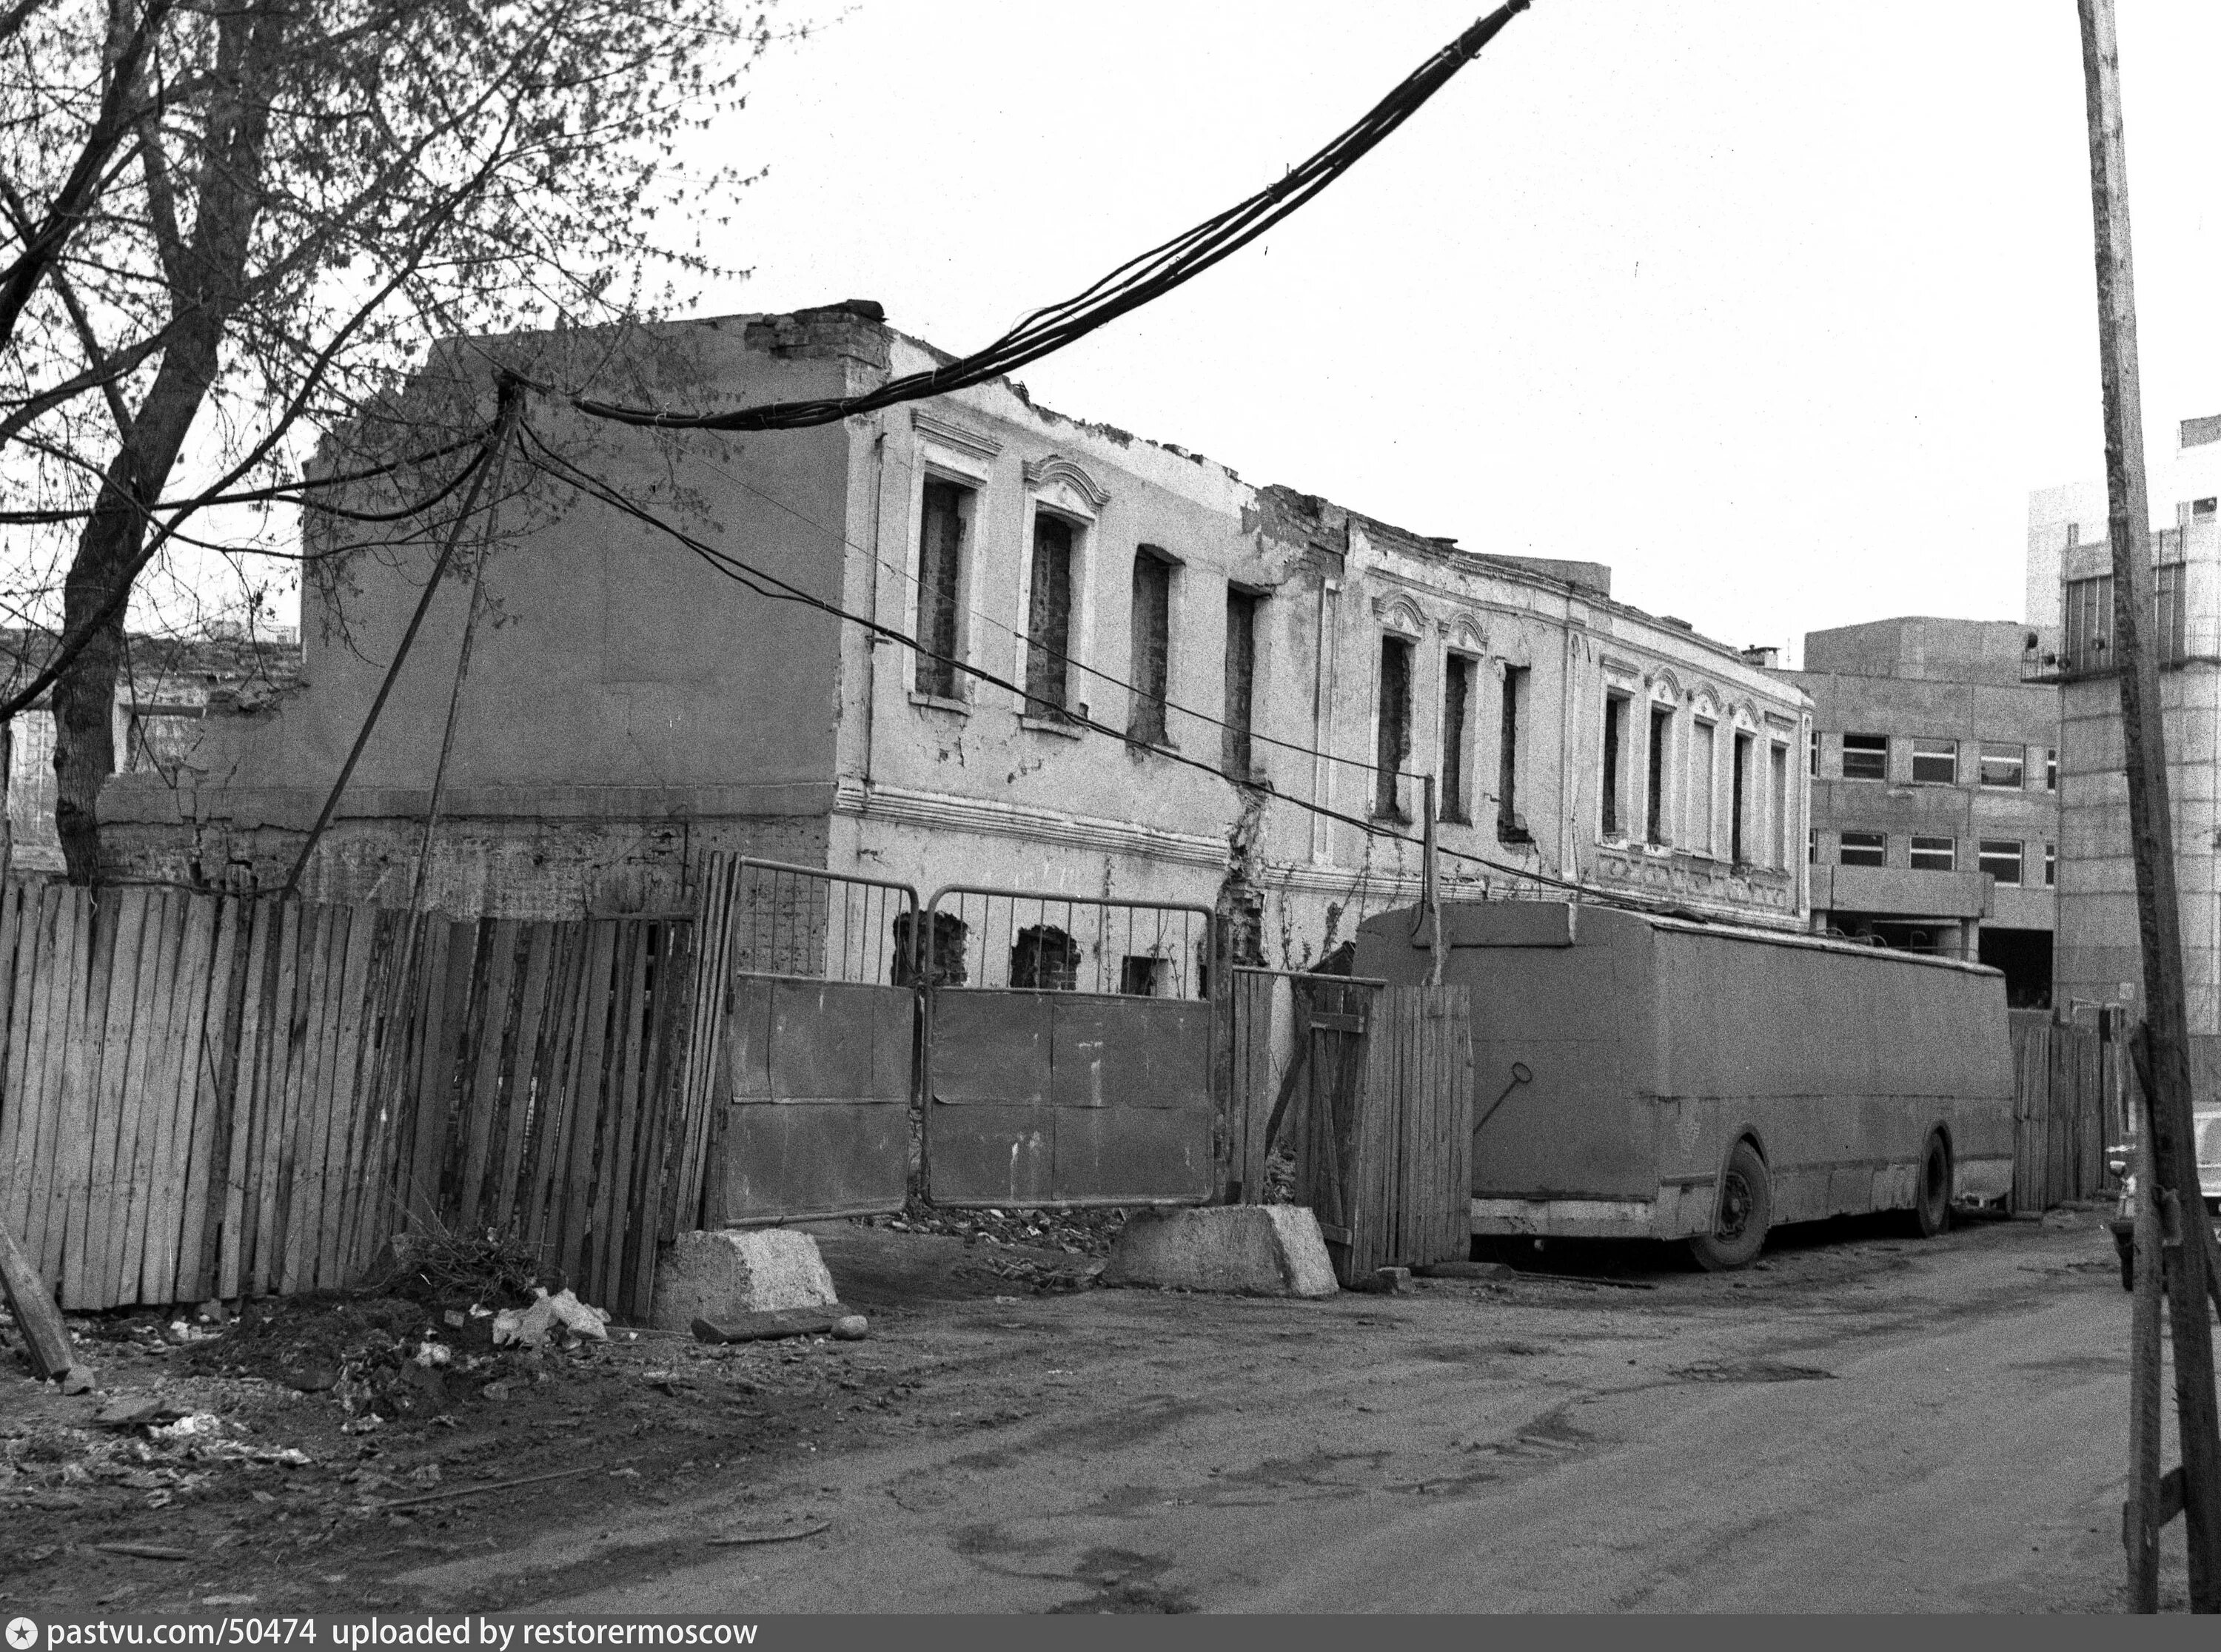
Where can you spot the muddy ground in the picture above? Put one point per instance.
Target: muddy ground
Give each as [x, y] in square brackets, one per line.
[1002, 1421]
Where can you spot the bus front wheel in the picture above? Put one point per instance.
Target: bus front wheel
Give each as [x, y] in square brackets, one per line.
[1745, 1210]
[1931, 1195]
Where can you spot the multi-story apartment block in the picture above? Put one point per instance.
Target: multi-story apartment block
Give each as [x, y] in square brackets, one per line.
[2070, 585]
[1107, 666]
[1934, 807]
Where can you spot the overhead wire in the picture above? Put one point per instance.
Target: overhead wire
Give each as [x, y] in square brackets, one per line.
[1136, 281]
[767, 584]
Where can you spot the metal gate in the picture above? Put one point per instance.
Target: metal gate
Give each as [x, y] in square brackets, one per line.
[816, 1043]
[1068, 1049]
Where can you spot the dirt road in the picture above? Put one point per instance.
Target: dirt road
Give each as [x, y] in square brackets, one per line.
[1861, 1424]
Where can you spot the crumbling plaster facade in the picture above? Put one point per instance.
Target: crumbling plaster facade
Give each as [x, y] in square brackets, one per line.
[626, 707]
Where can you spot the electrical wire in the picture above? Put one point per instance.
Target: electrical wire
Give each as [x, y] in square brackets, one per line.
[1146, 277]
[771, 585]
[283, 492]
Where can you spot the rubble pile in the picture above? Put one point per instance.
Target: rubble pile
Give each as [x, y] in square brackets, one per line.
[1075, 1232]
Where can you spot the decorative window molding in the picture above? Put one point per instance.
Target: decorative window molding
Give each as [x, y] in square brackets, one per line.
[939, 430]
[1401, 613]
[1047, 473]
[1465, 632]
[1665, 689]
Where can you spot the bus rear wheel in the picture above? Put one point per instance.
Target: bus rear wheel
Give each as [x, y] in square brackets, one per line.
[1744, 1212]
[1931, 1193]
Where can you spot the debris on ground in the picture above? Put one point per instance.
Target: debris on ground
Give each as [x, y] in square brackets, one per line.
[1076, 1232]
[1043, 1278]
[531, 1327]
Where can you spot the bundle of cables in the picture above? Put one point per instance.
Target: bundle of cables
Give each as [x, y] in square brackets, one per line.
[1147, 275]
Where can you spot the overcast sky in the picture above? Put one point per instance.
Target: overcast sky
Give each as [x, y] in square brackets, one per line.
[1780, 308]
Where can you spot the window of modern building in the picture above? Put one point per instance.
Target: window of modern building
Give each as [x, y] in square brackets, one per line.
[1458, 678]
[1865, 756]
[2089, 615]
[1654, 802]
[2050, 864]
[1739, 799]
[1234, 753]
[1048, 619]
[2051, 768]
[2201, 507]
[1812, 846]
[2169, 631]
[2000, 859]
[1935, 855]
[1150, 667]
[1782, 824]
[1863, 849]
[1509, 828]
[1616, 706]
[1936, 763]
[945, 516]
[2002, 766]
[1703, 782]
[1812, 752]
[1393, 727]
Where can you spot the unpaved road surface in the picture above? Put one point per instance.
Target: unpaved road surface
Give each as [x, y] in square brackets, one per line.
[1862, 1422]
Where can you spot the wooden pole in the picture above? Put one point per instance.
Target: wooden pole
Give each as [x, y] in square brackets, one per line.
[2172, 1150]
[2140, 1526]
[1431, 898]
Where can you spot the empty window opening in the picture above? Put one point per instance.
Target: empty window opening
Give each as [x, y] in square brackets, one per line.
[945, 968]
[1393, 736]
[1152, 645]
[1144, 977]
[1045, 957]
[1703, 756]
[1779, 801]
[1457, 723]
[1241, 683]
[1048, 619]
[1615, 738]
[2002, 766]
[1661, 737]
[1739, 800]
[1865, 756]
[1936, 763]
[1863, 849]
[1511, 824]
[1935, 855]
[948, 514]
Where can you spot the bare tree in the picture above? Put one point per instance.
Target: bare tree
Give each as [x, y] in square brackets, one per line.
[236, 226]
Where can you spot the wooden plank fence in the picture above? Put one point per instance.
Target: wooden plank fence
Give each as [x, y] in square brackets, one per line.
[2065, 1074]
[1370, 1087]
[202, 1095]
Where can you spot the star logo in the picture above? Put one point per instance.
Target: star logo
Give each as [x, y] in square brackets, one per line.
[22, 1635]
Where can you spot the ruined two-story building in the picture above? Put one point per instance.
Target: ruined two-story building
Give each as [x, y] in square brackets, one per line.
[1073, 660]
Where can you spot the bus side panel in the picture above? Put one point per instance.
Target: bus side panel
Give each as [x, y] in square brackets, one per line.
[1883, 1051]
[1574, 1018]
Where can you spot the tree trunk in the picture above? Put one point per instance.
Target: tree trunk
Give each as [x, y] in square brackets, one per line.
[213, 268]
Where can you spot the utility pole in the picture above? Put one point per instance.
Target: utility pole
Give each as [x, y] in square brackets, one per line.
[2171, 1153]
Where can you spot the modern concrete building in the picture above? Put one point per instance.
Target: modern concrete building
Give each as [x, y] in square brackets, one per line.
[2070, 584]
[1276, 673]
[1934, 812]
